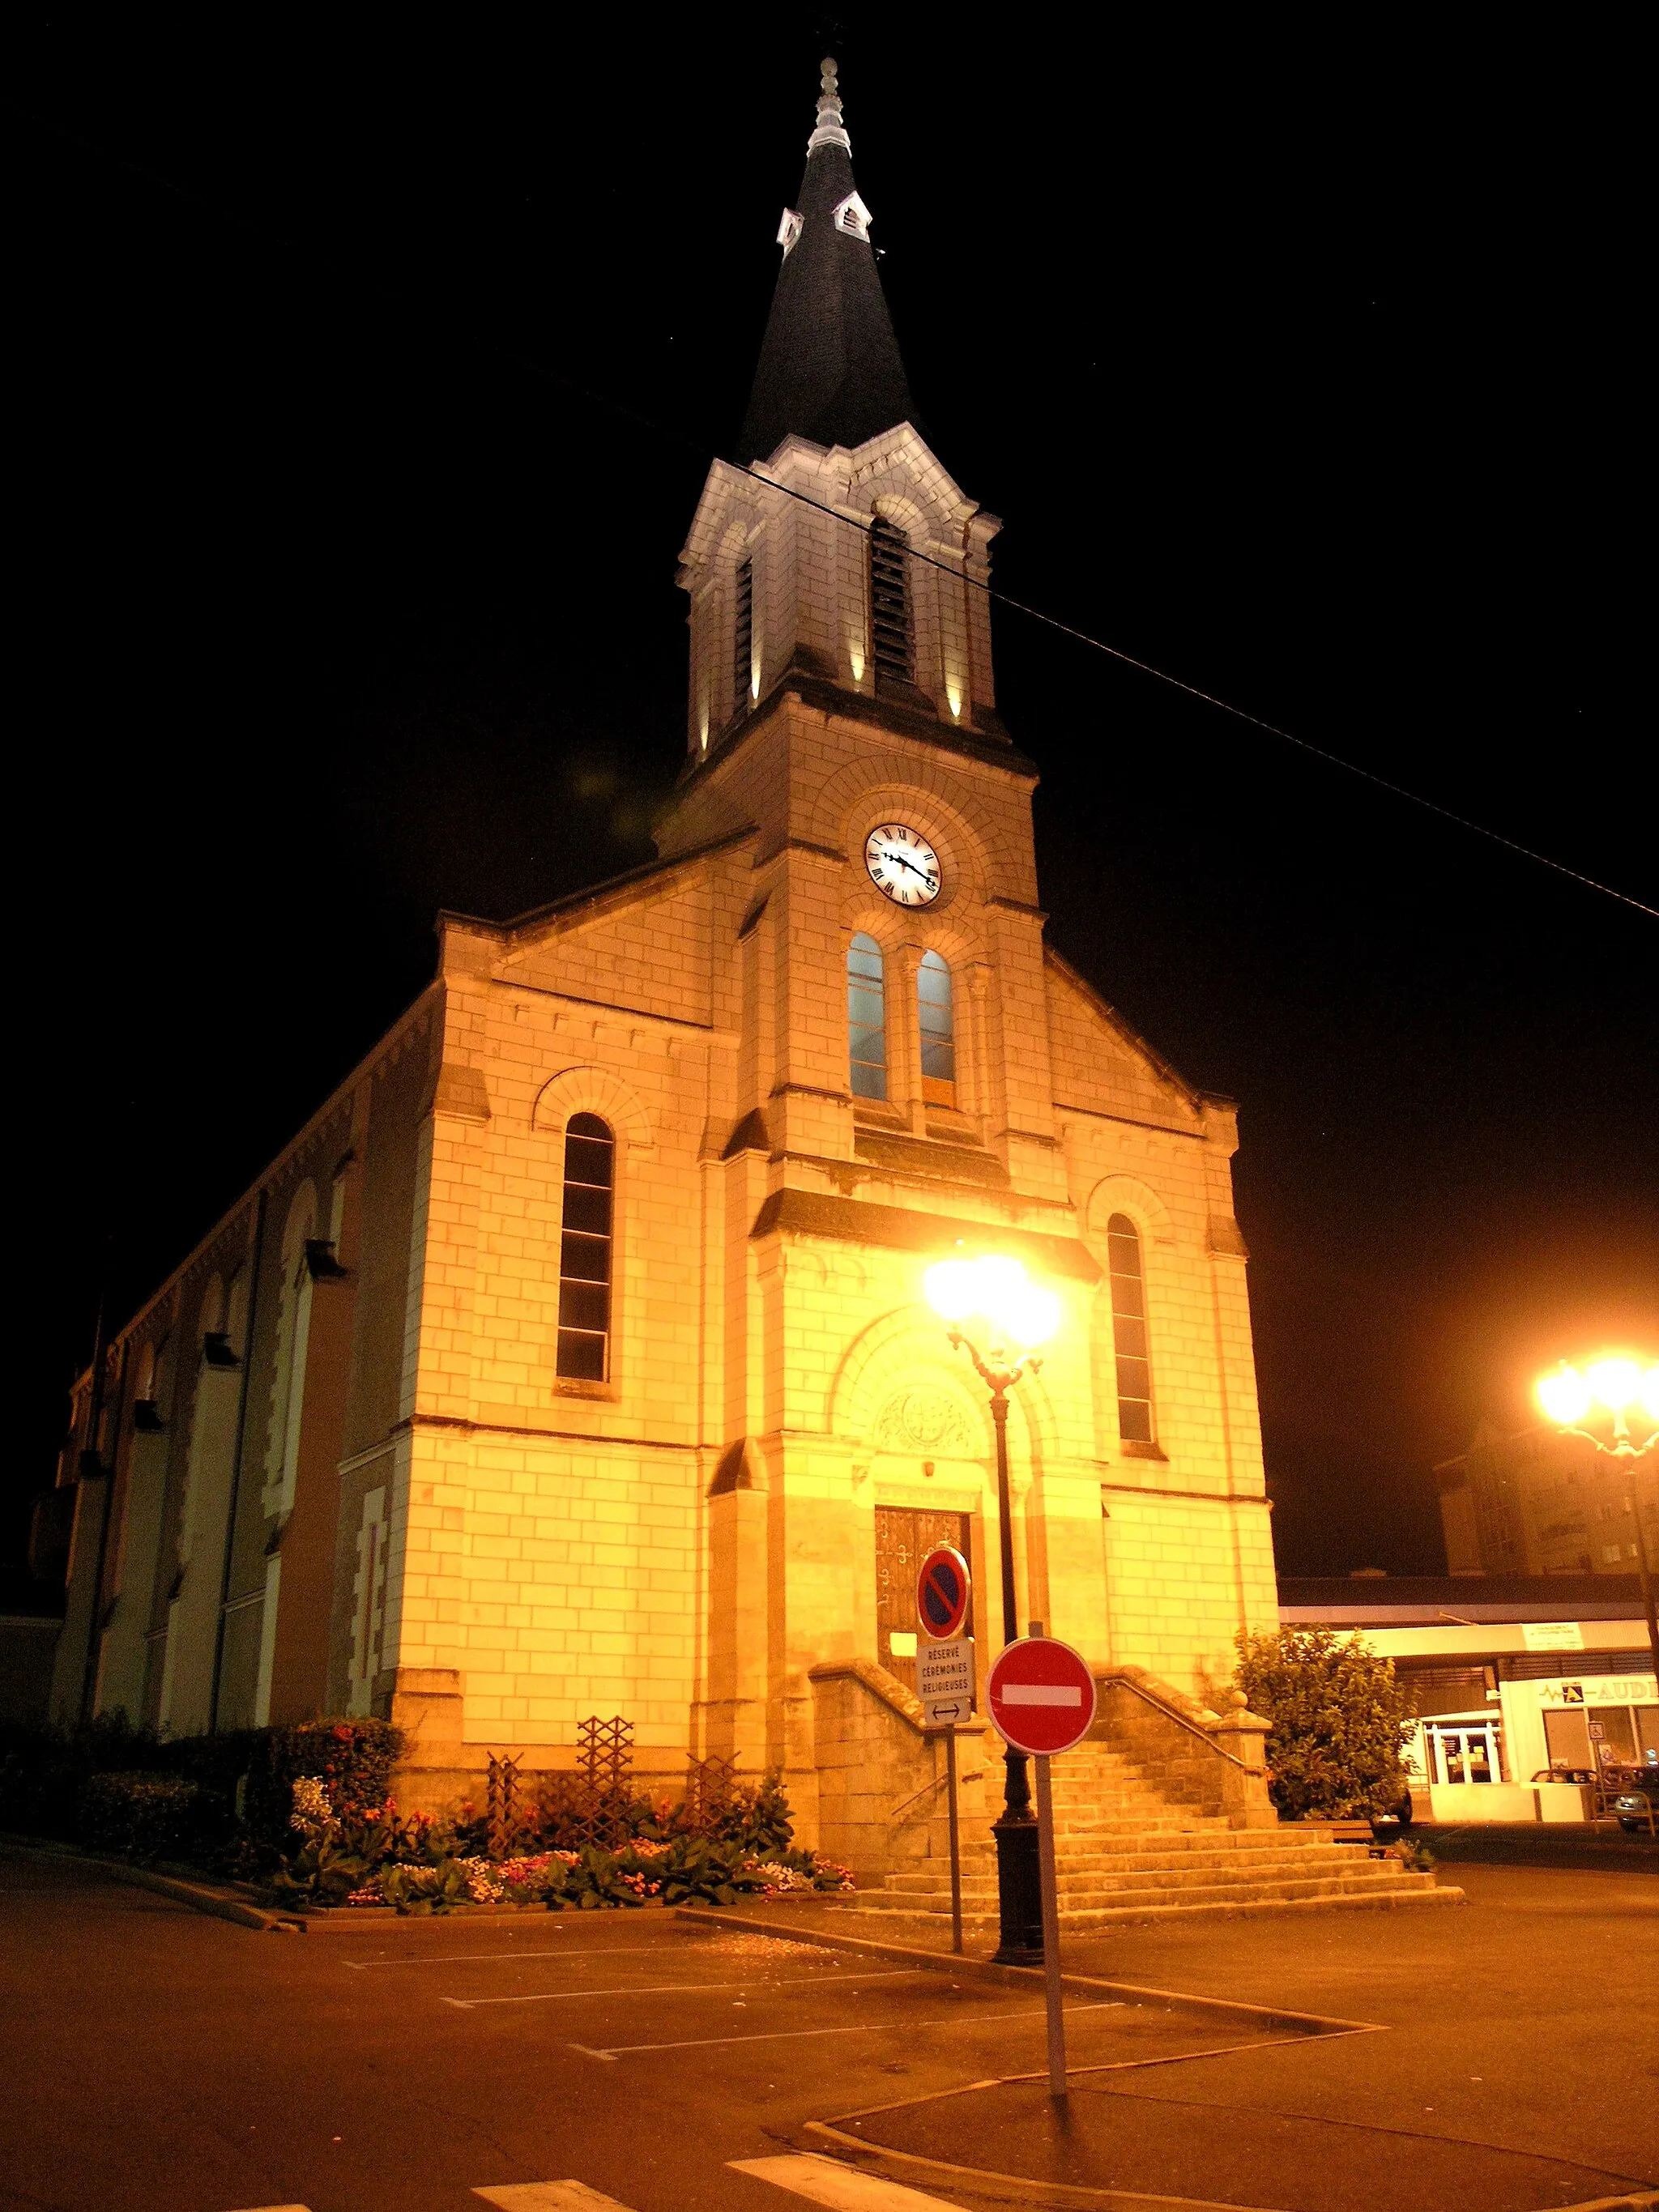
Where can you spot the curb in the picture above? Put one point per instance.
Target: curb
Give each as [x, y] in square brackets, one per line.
[1031, 1978]
[1071, 2196]
[220, 1903]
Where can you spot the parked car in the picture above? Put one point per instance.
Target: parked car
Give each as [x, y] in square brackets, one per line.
[1567, 1774]
[1637, 1805]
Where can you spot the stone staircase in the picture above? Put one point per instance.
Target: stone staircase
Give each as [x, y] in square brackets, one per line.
[1127, 1850]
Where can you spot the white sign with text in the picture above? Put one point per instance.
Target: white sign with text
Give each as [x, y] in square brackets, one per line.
[945, 1680]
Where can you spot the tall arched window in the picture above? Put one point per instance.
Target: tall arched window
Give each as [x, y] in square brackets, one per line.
[743, 640]
[586, 1244]
[1135, 1374]
[889, 601]
[867, 1019]
[938, 1048]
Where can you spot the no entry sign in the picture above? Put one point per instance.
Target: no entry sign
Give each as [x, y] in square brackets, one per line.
[1042, 1696]
[943, 1588]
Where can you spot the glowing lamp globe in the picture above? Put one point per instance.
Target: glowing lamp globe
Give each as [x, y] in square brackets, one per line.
[997, 1291]
[1650, 1394]
[1564, 1395]
[1615, 1383]
[951, 1285]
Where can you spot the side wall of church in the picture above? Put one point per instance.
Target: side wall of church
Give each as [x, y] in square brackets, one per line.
[547, 1533]
[235, 1394]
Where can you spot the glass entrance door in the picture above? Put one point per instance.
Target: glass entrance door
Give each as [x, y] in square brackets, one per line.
[904, 1539]
[1464, 1751]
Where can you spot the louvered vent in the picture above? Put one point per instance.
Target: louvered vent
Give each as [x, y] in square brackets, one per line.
[889, 602]
[743, 639]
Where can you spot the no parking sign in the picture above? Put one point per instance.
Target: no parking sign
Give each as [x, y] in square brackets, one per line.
[943, 1589]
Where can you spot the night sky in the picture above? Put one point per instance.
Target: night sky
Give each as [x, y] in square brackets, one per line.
[363, 385]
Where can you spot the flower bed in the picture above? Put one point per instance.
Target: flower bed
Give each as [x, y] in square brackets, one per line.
[373, 1857]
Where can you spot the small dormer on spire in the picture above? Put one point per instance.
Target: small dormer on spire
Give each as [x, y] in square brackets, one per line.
[831, 130]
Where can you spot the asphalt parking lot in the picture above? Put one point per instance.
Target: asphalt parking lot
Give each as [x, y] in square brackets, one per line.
[157, 2059]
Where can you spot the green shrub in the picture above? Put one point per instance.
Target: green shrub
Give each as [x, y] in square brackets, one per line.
[1341, 1722]
[353, 1759]
[147, 1816]
[421, 1889]
[701, 1870]
[43, 1768]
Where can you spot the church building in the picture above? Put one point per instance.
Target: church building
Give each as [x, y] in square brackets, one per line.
[573, 1359]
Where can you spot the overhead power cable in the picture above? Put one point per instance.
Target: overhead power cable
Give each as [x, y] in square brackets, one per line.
[499, 349]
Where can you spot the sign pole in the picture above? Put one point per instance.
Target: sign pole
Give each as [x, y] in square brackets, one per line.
[1052, 1990]
[956, 1840]
[1054, 1995]
[1041, 1698]
[945, 1680]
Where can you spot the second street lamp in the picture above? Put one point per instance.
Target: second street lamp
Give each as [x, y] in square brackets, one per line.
[1015, 1312]
[1617, 1386]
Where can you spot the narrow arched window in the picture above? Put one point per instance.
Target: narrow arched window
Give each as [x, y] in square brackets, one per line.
[939, 1046]
[889, 601]
[1134, 1373]
[587, 1242]
[743, 639]
[866, 1019]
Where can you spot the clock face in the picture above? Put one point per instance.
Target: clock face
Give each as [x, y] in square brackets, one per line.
[904, 866]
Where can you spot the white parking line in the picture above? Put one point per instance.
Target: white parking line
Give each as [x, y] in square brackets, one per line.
[679, 1989]
[549, 2197]
[466, 1958]
[858, 2028]
[842, 2188]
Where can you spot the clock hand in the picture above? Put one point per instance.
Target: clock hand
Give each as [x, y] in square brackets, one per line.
[903, 863]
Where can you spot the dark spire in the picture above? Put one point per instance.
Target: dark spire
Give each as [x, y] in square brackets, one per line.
[830, 365]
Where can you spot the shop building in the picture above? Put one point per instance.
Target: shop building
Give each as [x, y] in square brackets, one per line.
[1512, 1676]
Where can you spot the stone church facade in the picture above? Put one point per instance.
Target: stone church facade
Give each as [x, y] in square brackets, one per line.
[574, 1358]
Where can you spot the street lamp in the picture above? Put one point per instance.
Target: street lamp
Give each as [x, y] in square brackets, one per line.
[1017, 1317]
[1615, 1385]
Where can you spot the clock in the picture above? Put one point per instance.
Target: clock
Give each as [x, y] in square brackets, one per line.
[904, 866]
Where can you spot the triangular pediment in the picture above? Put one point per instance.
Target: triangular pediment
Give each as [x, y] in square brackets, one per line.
[1102, 1066]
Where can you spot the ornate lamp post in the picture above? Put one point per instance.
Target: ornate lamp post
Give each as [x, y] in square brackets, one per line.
[1615, 1386]
[1015, 1312]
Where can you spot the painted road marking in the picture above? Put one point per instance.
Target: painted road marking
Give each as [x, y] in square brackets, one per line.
[858, 2028]
[842, 2188]
[681, 1988]
[549, 2197]
[466, 1958]
[279, 2207]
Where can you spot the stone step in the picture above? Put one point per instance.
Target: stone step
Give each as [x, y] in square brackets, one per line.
[1259, 1858]
[1370, 1899]
[1080, 1908]
[1075, 1888]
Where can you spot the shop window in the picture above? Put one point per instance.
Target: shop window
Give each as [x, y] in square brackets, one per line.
[1134, 1373]
[867, 1019]
[889, 601]
[939, 1049]
[585, 1247]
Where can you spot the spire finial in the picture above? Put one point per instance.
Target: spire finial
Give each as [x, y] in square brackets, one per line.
[830, 130]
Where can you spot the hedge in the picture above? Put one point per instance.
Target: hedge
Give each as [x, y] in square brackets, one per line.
[45, 1769]
[352, 1759]
[147, 1816]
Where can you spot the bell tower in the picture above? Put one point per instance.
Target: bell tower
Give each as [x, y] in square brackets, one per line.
[837, 547]
[841, 688]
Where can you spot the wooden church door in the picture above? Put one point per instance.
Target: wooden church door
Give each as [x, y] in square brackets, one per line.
[904, 1539]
